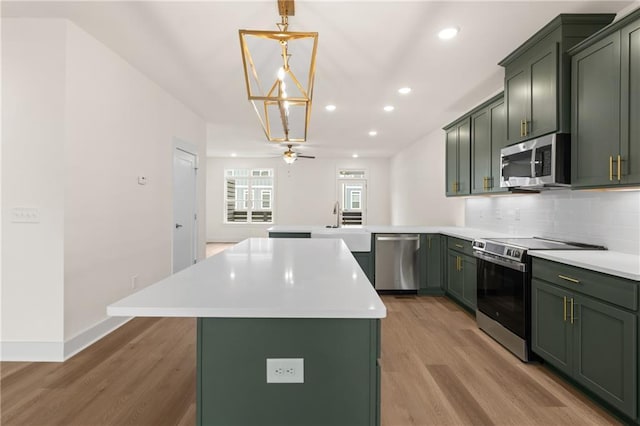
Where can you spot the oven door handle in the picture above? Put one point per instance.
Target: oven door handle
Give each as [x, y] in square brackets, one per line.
[522, 267]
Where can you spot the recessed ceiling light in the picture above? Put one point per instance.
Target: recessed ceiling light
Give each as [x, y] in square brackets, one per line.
[330, 107]
[373, 133]
[404, 90]
[448, 33]
[355, 155]
[389, 108]
[233, 154]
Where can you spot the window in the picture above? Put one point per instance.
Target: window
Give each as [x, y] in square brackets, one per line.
[248, 195]
[265, 198]
[355, 200]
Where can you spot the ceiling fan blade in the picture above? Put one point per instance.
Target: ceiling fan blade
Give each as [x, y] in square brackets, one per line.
[306, 156]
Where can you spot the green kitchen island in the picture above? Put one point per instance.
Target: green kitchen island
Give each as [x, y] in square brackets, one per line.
[288, 333]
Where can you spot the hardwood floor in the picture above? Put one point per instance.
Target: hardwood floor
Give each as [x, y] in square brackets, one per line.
[215, 248]
[438, 368]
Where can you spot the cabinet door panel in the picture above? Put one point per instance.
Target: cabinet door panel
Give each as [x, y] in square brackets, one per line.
[550, 330]
[452, 160]
[630, 118]
[516, 92]
[605, 352]
[464, 158]
[469, 281]
[596, 112]
[454, 277]
[481, 151]
[434, 261]
[543, 113]
[498, 141]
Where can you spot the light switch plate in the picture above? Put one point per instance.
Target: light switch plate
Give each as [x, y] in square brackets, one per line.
[285, 370]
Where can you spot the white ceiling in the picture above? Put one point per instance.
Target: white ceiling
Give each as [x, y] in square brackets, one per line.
[366, 51]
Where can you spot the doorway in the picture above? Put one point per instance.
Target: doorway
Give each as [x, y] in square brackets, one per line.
[353, 196]
[185, 219]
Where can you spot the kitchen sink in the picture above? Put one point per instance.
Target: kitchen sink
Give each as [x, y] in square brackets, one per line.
[356, 239]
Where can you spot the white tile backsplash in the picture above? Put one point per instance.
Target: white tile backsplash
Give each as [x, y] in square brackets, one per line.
[609, 218]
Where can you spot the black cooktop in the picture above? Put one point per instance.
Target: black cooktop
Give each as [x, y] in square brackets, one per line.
[536, 243]
[515, 249]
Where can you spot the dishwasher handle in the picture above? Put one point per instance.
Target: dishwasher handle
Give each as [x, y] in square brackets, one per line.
[398, 238]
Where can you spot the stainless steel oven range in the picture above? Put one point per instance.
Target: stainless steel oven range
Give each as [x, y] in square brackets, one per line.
[504, 288]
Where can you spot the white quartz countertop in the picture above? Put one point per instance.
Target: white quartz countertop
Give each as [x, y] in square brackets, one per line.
[608, 262]
[263, 278]
[453, 231]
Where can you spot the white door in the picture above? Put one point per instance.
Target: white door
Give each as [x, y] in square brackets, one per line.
[184, 209]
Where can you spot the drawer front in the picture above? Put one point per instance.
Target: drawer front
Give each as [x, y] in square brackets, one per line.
[616, 290]
[460, 245]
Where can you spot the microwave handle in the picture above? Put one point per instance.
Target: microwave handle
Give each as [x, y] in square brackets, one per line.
[533, 162]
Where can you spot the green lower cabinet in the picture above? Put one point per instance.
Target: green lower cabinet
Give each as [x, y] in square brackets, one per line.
[550, 330]
[593, 342]
[341, 372]
[469, 281]
[431, 264]
[462, 278]
[454, 278]
[605, 355]
[289, 234]
[365, 261]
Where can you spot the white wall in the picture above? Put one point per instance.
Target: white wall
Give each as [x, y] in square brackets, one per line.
[305, 193]
[80, 124]
[33, 117]
[418, 185]
[611, 218]
[119, 125]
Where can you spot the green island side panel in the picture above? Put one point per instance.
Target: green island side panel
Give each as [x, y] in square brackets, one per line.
[341, 373]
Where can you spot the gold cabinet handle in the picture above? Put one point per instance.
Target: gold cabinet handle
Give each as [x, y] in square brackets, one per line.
[459, 246]
[573, 280]
[460, 263]
[619, 167]
[526, 127]
[611, 167]
[564, 308]
[521, 128]
[572, 310]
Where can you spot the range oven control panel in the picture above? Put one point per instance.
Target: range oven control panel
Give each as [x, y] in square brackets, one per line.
[499, 249]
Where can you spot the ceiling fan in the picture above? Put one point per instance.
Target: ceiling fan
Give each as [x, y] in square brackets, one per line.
[289, 156]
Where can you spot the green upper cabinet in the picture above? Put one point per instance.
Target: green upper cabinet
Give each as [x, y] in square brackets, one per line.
[605, 107]
[537, 76]
[488, 136]
[458, 153]
[630, 122]
[531, 93]
[596, 113]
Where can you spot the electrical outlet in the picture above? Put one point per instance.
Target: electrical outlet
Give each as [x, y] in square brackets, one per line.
[134, 281]
[285, 370]
[25, 215]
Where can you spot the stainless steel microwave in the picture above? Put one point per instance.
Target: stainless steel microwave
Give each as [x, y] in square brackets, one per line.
[539, 163]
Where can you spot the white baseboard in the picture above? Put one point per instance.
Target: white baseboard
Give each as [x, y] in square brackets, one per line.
[59, 351]
[92, 334]
[32, 351]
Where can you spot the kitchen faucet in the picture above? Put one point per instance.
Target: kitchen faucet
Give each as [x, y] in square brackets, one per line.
[336, 211]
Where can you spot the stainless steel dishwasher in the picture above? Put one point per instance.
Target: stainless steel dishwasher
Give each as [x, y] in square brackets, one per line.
[397, 261]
